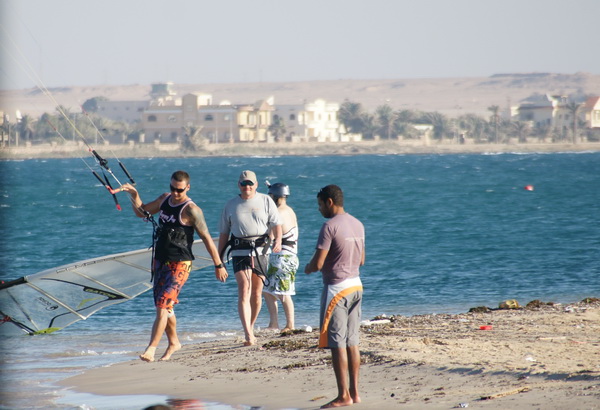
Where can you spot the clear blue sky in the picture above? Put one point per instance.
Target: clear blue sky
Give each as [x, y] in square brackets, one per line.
[123, 42]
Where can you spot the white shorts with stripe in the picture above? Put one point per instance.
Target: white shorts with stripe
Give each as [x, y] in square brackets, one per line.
[340, 314]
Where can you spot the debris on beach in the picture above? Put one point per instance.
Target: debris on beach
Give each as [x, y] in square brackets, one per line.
[480, 309]
[509, 304]
[508, 393]
[375, 322]
[535, 304]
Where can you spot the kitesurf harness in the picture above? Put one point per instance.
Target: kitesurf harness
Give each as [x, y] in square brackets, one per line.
[252, 243]
[287, 242]
[174, 239]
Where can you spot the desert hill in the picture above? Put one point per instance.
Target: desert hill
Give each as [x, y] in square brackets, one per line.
[450, 96]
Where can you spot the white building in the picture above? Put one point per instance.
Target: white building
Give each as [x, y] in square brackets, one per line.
[541, 111]
[317, 121]
[125, 111]
[161, 94]
[591, 110]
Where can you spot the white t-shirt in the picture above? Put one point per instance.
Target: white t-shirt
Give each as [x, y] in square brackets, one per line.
[249, 218]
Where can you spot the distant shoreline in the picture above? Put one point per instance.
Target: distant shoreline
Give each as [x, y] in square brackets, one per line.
[288, 149]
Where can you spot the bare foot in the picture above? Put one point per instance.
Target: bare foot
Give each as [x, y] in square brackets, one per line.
[250, 342]
[338, 402]
[355, 398]
[170, 350]
[148, 355]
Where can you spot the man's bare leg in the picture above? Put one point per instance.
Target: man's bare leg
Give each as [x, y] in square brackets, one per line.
[171, 330]
[159, 326]
[339, 358]
[244, 282]
[353, 371]
[273, 311]
[288, 308]
[255, 298]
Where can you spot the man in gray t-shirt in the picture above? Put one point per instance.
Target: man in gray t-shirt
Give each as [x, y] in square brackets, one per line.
[249, 217]
[339, 253]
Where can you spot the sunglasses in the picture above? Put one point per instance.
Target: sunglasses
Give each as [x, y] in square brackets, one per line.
[178, 190]
[247, 183]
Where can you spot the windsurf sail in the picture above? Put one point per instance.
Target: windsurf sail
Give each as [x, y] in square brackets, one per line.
[50, 300]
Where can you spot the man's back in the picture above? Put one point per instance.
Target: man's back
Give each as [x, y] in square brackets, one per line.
[344, 236]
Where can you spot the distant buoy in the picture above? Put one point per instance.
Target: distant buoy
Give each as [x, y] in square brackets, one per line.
[528, 187]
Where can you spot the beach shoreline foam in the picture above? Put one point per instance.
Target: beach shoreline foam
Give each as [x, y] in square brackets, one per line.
[541, 356]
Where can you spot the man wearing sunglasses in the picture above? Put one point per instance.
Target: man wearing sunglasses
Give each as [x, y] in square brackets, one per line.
[249, 217]
[178, 219]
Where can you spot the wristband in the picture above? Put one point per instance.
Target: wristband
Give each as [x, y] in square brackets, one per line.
[220, 265]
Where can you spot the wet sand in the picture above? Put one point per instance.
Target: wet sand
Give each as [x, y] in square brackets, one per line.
[541, 356]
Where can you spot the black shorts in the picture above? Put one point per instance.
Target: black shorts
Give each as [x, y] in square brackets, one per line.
[257, 264]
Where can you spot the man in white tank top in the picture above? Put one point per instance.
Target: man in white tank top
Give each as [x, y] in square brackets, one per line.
[283, 265]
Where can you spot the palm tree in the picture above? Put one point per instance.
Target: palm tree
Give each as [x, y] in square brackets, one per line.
[441, 124]
[407, 116]
[5, 130]
[406, 130]
[25, 127]
[368, 125]
[404, 121]
[495, 109]
[473, 125]
[573, 109]
[350, 115]
[522, 129]
[385, 120]
[277, 128]
[544, 132]
[43, 130]
[192, 141]
[91, 104]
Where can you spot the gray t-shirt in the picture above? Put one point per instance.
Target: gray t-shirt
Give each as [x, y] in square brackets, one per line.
[344, 237]
[249, 218]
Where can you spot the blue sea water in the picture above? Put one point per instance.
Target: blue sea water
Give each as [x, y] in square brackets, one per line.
[444, 233]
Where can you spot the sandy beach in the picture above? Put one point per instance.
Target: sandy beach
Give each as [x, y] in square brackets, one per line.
[382, 147]
[543, 355]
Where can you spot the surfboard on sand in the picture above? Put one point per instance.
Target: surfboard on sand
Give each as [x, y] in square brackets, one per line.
[50, 300]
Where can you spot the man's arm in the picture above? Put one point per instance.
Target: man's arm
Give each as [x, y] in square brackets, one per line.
[277, 233]
[223, 239]
[195, 217]
[317, 261]
[138, 206]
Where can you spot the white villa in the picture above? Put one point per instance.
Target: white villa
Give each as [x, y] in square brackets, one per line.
[552, 110]
[314, 122]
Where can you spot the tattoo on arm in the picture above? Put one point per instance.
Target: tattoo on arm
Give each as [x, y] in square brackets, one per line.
[197, 220]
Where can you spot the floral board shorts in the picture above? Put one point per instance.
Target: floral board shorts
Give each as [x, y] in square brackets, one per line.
[169, 278]
[281, 274]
